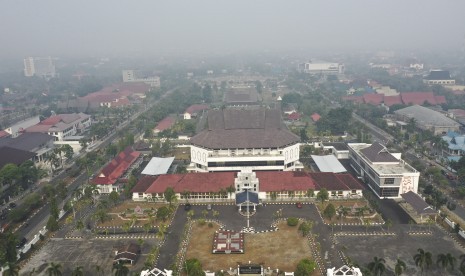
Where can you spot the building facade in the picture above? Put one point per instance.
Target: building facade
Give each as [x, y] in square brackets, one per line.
[62, 126]
[238, 138]
[39, 66]
[322, 68]
[385, 173]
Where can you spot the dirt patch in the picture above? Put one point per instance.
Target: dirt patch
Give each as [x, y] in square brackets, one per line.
[282, 249]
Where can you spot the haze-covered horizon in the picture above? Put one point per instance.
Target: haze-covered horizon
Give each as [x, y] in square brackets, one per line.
[144, 27]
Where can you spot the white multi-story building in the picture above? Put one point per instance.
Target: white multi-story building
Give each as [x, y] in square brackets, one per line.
[62, 126]
[131, 76]
[39, 66]
[384, 172]
[322, 68]
[238, 138]
[19, 127]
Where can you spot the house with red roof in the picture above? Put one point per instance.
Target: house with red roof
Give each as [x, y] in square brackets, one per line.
[295, 116]
[264, 185]
[315, 117]
[192, 110]
[164, 124]
[117, 95]
[392, 100]
[114, 172]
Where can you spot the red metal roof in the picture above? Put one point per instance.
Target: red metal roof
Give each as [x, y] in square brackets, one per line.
[329, 181]
[165, 124]
[3, 134]
[193, 182]
[375, 99]
[418, 98]
[117, 91]
[285, 181]
[440, 99]
[315, 117]
[272, 181]
[392, 100]
[355, 99]
[196, 108]
[117, 167]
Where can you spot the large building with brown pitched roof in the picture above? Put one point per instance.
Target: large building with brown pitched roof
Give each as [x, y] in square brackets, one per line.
[238, 138]
[385, 173]
[266, 185]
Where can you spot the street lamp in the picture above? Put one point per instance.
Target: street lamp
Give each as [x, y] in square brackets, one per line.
[248, 207]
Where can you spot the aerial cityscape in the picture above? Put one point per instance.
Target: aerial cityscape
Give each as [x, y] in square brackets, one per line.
[232, 138]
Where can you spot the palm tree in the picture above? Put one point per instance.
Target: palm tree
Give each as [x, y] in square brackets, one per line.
[190, 214]
[400, 267]
[79, 225]
[77, 271]
[162, 231]
[99, 270]
[343, 212]
[422, 259]
[445, 261]
[377, 266]
[147, 227]
[388, 224]
[54, 269]
[120, 269]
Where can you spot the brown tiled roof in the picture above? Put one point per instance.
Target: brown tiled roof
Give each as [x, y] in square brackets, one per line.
[378, 153]
[14, 156]
[329, 181]
[143, 184]
[350, 181]
[284, 181]
[244, 128]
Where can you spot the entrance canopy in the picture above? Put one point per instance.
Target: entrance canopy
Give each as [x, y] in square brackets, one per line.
[328, 163]
[418, 204]
[242, 197]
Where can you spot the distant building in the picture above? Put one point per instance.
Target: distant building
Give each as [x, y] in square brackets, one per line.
[238, 138]
[322, 68]
[385, 173]
[439, 77]
[164, 124]
[63, 125]
[427, 119]
[19, 127]
[39, 66]
[38, 143]
[132, 76]
[192, 111]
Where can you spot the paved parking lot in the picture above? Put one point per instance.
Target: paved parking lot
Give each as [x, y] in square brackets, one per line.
[86, 253]
[362, 249]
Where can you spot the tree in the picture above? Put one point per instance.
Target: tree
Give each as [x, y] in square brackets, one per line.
[78, 271]
[445, 261]
[120, 269]
[80, 225]
[169, 195]
[147, 227]
[388, 224]
[54, 269]
[329, 211]
[67, 151]
[400, 267]
[8, 242]
[163, 213]
[306, 227]
[343, 212]
[423, 259]
[161, 231]
[52, 224]
[193, 267]
[114, 197]
[99, 270]
[13, 270]
[305, 267]
[323, 195]
[377, 266]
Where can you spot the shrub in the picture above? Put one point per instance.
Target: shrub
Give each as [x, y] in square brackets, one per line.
[292, 221]
[202, 222]
[210, 224]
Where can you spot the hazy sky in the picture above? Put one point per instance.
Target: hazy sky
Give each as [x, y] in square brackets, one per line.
[109, 27]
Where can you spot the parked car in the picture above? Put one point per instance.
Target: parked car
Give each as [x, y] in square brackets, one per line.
[209, 207]
[187, 207]
[21, 243]
[12, 205]
[298, 205]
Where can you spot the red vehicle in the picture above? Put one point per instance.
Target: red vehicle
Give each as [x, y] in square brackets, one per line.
[298, 205]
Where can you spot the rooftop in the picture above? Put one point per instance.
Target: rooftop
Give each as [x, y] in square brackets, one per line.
[328, 163]
[27, 141]
[165, 124]
[116, 168]
[14, 156]
[244, 128]
[395, 168]
[158, 166]
[438, 75]
[426, 117]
